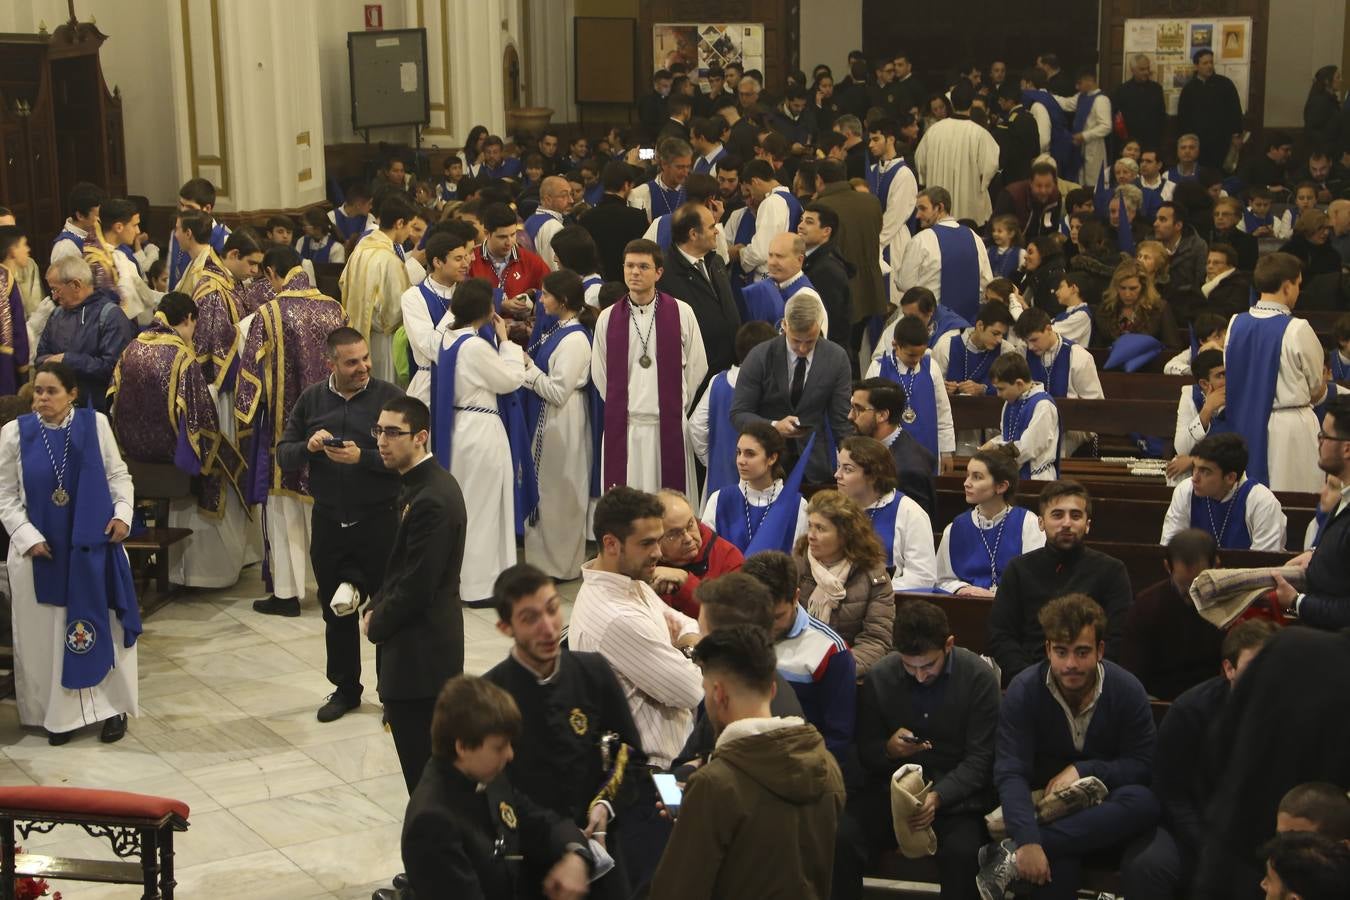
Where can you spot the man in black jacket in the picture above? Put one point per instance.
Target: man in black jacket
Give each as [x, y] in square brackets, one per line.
[875, 409]
[695, 274]
[1227, 215]
[1019, 141]
[612, 222]
[828, 270]
[933, 704]
[416, 621]
[1325, 602]
[1062, 566]
[1209, 108]
[1140, 101]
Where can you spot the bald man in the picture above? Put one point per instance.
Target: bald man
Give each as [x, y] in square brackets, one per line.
[1339, 214]
[764, 300]
[555, 198]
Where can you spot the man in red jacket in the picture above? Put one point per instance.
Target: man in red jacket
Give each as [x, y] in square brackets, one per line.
[691, 553]
[511, 270]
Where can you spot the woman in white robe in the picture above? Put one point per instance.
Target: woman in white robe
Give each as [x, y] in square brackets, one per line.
[480, 454]
[40, 629]
[558, 371]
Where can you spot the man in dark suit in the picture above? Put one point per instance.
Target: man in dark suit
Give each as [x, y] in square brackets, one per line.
[416, 620]
[1325, 602]
[798, 384]
[612, 222]
[679, 110]
[652, 107]
[695, 274]
[828, 270]
[875, 409]
[857, 240]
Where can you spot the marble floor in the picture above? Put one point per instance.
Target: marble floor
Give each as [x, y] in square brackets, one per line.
[282, 806]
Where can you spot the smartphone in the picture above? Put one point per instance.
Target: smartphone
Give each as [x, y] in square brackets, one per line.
[670, 792]
[911, 739]
[647, 153]
[334, 442]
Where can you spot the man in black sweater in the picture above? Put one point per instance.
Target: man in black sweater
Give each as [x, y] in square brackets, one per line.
[1140, 101]
[1062, 566]
[354, 519]
[936, 705]
[1160, 864]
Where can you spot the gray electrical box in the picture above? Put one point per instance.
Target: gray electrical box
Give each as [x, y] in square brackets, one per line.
[389, 78]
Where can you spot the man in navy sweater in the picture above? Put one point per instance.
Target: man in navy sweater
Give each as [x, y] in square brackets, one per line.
[1073, 716]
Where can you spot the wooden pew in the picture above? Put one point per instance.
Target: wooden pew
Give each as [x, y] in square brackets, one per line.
[1111, 416]
[1143, 386]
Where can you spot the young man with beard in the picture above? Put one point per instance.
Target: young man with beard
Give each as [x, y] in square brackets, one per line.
[1063, 566]
[578, 740]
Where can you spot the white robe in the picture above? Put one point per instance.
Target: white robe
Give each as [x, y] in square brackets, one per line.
[1077, 327]
[424, 339]
[1033, 538]
[557, 543]
[921, 266]
[1095, 131]
[480, 459]
[962, 157]
[640, 197]
[968, 440]
[644, 422]
[40, 629]
[900, 199]
[1036, 445]
[1084, 384]
[911, 545]
[139, 300]
[771, 219]
[1292, 427]
[1264, 517]
[373, 282]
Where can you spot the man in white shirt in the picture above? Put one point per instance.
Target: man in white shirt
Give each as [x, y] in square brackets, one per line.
[962, 157]
[1219, 498]
[426, 306]
[619, 616]
[946, 257]
[1091, 125]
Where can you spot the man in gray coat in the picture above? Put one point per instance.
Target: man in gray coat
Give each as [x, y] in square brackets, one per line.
[858, 240]
[799, 384]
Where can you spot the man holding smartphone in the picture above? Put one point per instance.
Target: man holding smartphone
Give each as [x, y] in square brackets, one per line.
[354, 519]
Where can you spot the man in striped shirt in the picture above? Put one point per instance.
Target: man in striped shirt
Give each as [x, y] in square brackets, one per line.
[619, 616]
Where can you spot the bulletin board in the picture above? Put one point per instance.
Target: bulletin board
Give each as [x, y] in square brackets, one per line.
[702, 45]
[1171, 44]
[389, 78]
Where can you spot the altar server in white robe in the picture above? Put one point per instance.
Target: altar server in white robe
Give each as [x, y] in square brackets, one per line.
[558, 411]
[57, 638]
[1091, 110]
[658, 353]
[426, 305]
[374, 281]
[468, 432]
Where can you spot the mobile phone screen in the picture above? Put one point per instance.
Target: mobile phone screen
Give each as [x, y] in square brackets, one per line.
[669, 790]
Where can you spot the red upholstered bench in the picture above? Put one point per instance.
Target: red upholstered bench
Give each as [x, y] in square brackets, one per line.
[134, 824]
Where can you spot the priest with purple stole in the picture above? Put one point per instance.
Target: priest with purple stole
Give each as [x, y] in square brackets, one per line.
[928, 412]
[14, 255]
[765, 300]
[946, 257]
[1276, 373]
[647, 363]
[165, 412]
[284, 352]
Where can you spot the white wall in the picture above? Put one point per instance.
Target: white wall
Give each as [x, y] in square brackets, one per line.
[339, 17]
[1304, 36]
[830, 29]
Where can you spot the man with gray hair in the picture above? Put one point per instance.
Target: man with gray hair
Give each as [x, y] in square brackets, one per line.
[962, 157]
[555, 198]
[766, 300]
[665, 193]
[1140, 101]
[855, 148]
[799, 385]
[88, 330]
[946, 257]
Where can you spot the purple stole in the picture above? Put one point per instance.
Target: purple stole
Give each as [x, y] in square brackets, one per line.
[920, 401]
[669, 391]
[1226, 521]
[82, 557]
[765, 300]
[883, 523]
[1253, 352]
[959, 281]
[1016, 417]
[980, 559]
[974, 366]
[722, 436]
[13, 335]
[1056, 380]
[1003, 263]
[534, 404]
[1061, 141]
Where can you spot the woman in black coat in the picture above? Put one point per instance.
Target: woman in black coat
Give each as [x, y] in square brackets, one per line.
[1323, 104]
[1309, 244]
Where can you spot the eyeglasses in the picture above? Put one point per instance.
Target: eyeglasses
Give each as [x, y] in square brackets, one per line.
[1323, 436]
[376, 432]
[859, 410]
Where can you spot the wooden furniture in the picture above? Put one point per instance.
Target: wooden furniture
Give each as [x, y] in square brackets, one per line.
[136, 825]
[156, 485]
[59, 124]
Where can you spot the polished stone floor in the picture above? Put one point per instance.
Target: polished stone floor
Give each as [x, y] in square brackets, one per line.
[282, 805]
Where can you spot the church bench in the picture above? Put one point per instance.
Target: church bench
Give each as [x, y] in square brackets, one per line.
[1143, 385]
[136, 825]
[1110, 416]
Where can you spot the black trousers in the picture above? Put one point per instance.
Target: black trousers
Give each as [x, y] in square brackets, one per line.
[410, 723]
[356, 553]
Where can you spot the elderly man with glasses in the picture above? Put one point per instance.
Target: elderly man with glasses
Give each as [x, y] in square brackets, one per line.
[88, 330]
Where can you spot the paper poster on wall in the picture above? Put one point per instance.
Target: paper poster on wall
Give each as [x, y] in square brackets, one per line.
[1170, 45]
[702, 45]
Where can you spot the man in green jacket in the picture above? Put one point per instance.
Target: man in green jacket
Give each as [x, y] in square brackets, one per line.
[758, 820]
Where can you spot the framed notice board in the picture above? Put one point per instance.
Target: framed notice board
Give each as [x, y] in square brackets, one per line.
[389, 78]
[606, 59]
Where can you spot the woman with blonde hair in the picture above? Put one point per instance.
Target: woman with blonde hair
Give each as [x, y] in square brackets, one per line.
[1131, 305]
[1312, 231]
[844, 584]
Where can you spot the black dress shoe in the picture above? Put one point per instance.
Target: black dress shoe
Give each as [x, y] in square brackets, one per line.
[57, 738]
[278, 606]
[337, 706]
[401, 882]
[114, 729]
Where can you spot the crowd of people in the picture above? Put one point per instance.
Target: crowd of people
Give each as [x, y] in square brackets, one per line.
[708, 366]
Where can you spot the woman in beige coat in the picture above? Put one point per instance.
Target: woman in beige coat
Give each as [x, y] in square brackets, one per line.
[843, 576]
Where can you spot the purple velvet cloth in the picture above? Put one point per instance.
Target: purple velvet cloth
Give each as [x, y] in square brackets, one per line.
[669, 391]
